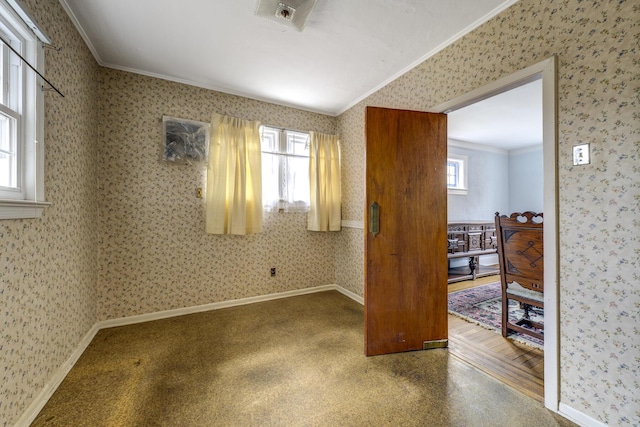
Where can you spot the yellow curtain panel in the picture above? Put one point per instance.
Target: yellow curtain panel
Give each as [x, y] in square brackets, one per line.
[324, 179]
[234, 177]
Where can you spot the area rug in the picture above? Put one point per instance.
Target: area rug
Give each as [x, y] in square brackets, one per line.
[483, 305]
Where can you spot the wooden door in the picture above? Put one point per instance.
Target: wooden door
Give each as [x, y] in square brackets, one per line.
[406, 261]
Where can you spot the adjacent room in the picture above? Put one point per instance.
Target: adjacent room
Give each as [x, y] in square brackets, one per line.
[236, 212]
[496, 165]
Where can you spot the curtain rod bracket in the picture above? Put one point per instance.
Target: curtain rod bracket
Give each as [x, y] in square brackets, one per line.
[31, 66]
[52, 47]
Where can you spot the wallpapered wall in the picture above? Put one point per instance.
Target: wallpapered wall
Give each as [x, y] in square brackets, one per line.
[127, 222]
[145, 222]
[48, 265]
[155, 254]
[597, 46]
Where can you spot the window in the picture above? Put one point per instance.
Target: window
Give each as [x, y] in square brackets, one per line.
[456, 174]
[453, 174]
[285, 169]
[10, 117]
[21, 116]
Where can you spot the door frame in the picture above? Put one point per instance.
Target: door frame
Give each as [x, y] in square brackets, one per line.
[547, 71]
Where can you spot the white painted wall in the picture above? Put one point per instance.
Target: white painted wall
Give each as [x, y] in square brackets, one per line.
[526, 180]
[488, 182]
[499, 181]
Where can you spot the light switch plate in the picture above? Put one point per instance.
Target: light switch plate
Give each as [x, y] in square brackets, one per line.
[581, 154]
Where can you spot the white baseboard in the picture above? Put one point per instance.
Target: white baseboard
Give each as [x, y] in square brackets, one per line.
[353, 224]
[50, 387]
[45, 394]
[578, 417]
[212, 306]
[357, 298]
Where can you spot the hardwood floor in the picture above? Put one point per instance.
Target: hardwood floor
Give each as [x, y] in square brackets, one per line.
[518, 365]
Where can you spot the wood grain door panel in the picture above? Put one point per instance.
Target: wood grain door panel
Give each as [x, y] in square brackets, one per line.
[406, 262]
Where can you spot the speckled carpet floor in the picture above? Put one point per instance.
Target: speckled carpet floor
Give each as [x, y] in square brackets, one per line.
[291, 362]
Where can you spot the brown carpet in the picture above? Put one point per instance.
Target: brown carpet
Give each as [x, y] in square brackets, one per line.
[292, 362]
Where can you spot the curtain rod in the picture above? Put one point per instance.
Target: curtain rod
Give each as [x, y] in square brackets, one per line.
[31, 66]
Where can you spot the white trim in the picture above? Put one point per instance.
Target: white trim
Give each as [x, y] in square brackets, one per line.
[475, 147]
[432, 52]
[547, 71]
[332, 113]
[463, 163]
[579, 417]
[29, 199]
[550, 238]
[17, 6]
[353, 224]
[505, 84]
[216, 88]
[524, 150]
[111, 323]
[20, 209]
[50, 387]
[357, 298]
[80, 30]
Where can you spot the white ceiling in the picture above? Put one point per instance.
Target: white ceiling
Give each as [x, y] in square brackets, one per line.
[509, 121]
[348, 49]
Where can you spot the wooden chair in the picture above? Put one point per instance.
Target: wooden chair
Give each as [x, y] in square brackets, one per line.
[520, 254]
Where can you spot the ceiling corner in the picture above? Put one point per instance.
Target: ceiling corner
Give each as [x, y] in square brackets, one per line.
[83, 34]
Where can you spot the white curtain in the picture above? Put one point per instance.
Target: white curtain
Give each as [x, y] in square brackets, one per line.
[324, 179]
[234, 177]
[285, 172]
[271, 182]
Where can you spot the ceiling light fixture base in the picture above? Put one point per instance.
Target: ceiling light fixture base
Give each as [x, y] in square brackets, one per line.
[292, 13]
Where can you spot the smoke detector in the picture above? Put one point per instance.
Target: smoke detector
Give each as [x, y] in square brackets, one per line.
[292, 13]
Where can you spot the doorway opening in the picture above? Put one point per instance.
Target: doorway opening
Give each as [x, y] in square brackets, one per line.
[499, 140]
[544, 75]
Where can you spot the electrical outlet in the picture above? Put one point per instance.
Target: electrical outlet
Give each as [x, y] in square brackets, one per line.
[273, 271]
[199, 193]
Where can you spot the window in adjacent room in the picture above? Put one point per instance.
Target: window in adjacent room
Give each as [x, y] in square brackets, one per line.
[285, 169]
[457, 174]
[21, 117]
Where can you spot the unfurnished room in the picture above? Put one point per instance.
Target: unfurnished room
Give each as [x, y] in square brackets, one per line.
[319, 212]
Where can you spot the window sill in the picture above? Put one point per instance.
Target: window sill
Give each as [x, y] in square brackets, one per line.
[457, 191]
[21, 209]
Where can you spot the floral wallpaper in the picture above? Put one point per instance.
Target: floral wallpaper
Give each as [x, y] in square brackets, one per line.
[155, 254]
[124, 235]
[48, 268]
[597, 46]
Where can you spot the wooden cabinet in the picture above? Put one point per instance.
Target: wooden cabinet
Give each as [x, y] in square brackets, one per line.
[471, 239]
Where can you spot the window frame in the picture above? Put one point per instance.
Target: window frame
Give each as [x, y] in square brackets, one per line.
[283, 151]
[27, 198]
[461, 188]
